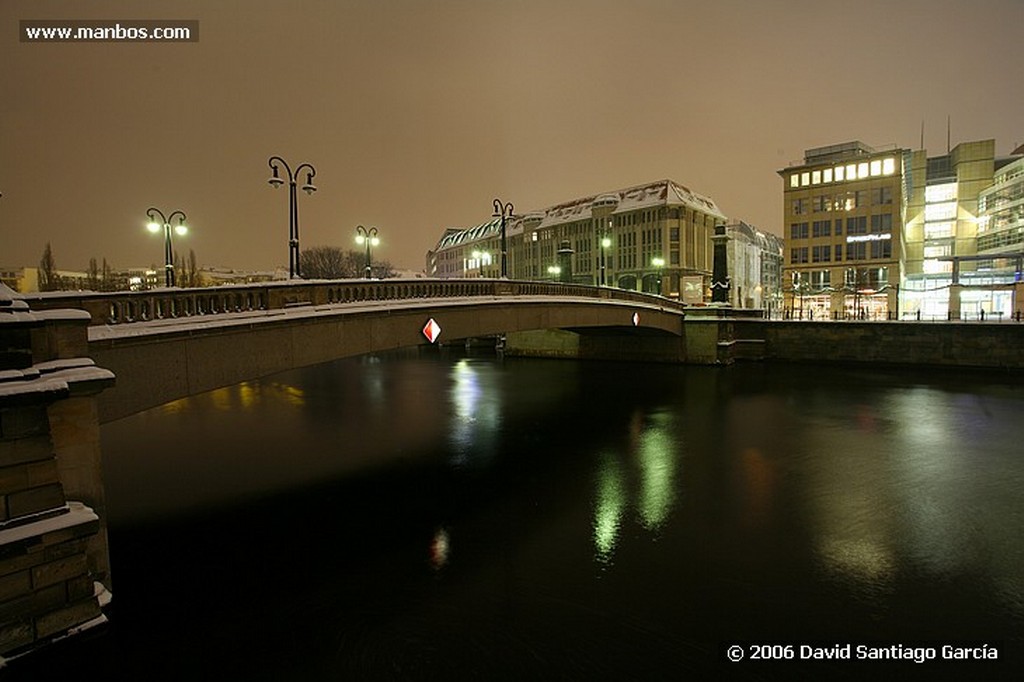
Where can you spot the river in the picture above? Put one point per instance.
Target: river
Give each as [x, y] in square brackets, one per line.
[446, 516]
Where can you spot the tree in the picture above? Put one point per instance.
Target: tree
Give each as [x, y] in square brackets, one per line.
[192, 274]
[106, 283]
[93, 276]
[48, 278]
[325, 262]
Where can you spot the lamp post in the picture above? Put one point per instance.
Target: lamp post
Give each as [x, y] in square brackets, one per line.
[605, 243]
[659, 263]
[503, 211]
[165, 222]
[276, 181]
[369, 238]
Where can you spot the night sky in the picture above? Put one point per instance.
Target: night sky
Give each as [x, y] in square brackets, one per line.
[418, 114]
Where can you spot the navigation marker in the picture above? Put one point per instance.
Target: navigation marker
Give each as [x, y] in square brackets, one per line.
[432, 330]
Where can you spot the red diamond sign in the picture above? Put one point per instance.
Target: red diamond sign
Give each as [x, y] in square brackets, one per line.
[432, 330]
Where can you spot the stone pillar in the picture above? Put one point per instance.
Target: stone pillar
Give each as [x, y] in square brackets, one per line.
[54, 569]
[720, 271]
[565, 262]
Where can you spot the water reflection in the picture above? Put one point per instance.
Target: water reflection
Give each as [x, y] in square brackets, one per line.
[653, 448]
[476, 419]
[609, 506]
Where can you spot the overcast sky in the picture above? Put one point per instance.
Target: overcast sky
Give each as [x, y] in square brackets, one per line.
[418, 114]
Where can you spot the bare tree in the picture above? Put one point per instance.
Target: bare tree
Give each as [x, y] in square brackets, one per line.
[48, 278]
[192, 273]
[93, 276]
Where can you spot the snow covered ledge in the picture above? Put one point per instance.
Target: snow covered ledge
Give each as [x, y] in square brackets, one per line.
[54, 570]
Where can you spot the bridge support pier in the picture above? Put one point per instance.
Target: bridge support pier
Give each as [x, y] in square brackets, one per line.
[54, 566]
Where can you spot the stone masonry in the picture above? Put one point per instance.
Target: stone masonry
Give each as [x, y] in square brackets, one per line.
[54, 573]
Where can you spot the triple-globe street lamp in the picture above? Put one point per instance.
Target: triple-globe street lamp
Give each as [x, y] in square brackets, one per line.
[165, 223]
[276, 181]
[367, 236]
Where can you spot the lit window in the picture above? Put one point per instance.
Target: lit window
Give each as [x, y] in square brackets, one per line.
[937, 193]
[826, 175]
[876, 168]
[862, 170]
[943, 211]
[816, 177]
[794, 180]
[805, 179]
[888, 166]
[840, 173]
[938, 230]
[851, 172]
[936, 266]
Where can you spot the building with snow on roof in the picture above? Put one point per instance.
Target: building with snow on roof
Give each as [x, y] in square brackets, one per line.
[654, 238]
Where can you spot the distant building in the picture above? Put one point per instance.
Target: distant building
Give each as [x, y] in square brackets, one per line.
[654, 237]
[755, 261]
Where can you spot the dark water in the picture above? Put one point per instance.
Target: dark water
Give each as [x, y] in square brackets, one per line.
[448, 518]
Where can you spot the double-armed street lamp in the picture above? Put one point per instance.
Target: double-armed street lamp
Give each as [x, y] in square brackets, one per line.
[369, 238]
[503, 211]
[165, 223]
[276, 181]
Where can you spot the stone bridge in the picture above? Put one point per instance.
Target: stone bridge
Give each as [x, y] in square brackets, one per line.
[167, 344]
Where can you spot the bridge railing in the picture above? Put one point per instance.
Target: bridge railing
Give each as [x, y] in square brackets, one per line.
[124, 307]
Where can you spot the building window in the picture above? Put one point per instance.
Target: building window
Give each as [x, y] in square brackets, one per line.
[857, 251]
[881, 196]
[839, 227]
[820, 204]
[839, 252]
[798, 255]
[821, 228]
[857, 225]
[881, 249]
[821, 254]
[881, 224]
[798, 231]
[826, 175]
[799, 206]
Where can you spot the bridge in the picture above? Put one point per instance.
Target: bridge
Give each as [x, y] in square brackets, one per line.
[167, 344]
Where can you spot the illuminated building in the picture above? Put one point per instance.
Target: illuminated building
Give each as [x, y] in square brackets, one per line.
[941, 231]
[654, 237]
[843, 242]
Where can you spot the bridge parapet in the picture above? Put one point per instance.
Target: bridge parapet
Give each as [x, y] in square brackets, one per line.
[125, 307]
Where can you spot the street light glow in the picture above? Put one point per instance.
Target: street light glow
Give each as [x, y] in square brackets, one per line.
[180, 228]
[153, 227]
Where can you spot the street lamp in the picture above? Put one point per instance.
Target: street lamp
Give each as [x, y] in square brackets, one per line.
[605, 243]
[165, 223]
[369, 238]
[503, 211]
[659, 263]
[554, 271]
[481, 258]
[276, 181]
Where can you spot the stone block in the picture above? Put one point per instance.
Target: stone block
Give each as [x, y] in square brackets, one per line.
[21, 450]
[16, 635]
[34, 603]
[35, 500]
[21, 422]
[24, 476]
[15, 585]
[59, 570]
[62, 620]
